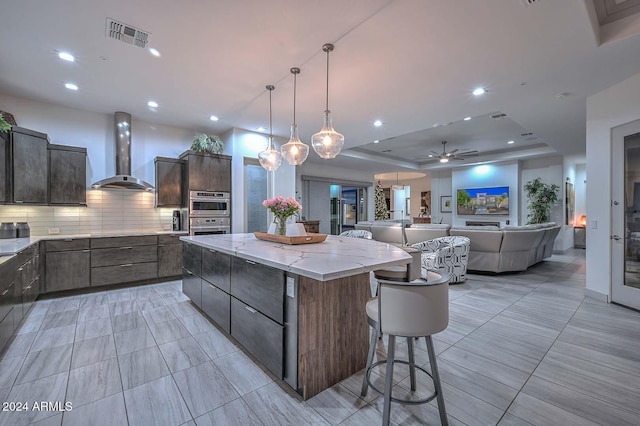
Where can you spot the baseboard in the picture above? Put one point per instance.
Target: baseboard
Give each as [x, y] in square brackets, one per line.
[602, 297]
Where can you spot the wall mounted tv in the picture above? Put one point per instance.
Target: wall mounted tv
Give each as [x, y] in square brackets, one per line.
[483, 201]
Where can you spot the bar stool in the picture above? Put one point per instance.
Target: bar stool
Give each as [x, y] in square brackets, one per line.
[419, 308]
[409, 272]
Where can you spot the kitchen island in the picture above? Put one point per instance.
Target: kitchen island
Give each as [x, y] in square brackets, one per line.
[299, 309]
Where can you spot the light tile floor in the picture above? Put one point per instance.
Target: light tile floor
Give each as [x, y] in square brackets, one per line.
[520, 349]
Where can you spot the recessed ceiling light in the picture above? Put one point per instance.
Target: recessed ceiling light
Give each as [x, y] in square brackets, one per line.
[152, 104]
[377, 123]
[213, 118]
[376, 141]
[467, 118]
[510, 142]
[71, 86]
[154, 52]
[261, 129]
[479, 91]
[66, 56]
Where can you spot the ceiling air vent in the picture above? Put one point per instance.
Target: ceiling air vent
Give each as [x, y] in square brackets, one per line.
[499, 116]
[528, 2]
[126, 33]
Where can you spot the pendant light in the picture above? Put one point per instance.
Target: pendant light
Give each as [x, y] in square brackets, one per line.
[270, 159]
[327, 142]
[294, 151]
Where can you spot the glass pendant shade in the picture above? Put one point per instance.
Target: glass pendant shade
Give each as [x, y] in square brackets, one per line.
[294, 151]
[327, 143]
[270, 159]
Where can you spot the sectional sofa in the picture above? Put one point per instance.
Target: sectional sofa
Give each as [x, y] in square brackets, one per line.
[493, 249]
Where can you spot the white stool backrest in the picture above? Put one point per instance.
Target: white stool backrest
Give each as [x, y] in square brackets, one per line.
[414, 309]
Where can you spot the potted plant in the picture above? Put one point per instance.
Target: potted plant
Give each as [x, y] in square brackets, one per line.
[542, 196]
[4, 126]
[211, 144]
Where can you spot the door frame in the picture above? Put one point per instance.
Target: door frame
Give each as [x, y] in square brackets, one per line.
[620, 293]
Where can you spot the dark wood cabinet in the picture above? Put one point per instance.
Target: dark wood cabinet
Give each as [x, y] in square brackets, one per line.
[192, 258]
[67, 264]
[67, 175]
[28, 162]
[206, 172]
[169, 255]
[116, 260]
[192, 287]
[4, 155]
[216, 268]
[169, 173]
[259, 286]
[216, 303]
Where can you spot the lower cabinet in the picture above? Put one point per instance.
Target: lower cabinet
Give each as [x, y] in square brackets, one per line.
[192, 286]
[169, 256]
[261, 336]
[6, 329]
[66, 270]
[123, 273]
[116, 260]
[216, 303]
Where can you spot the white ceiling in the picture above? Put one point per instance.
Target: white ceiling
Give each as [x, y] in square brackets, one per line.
[410, 63]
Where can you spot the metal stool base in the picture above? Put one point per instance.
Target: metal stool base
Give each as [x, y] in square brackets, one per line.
[401, 401]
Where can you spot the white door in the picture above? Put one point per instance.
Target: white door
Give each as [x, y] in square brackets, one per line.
[625, 215]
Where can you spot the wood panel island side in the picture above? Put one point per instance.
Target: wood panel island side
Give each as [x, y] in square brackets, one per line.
[299, 309]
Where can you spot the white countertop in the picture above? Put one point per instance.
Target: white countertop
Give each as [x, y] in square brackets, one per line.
[11, 246]
[337, 257]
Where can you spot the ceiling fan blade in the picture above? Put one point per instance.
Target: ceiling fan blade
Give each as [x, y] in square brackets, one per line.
[436, 153]
[469, 154]
[454, 151]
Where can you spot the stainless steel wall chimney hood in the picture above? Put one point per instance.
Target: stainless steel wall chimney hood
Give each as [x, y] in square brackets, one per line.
[123, 178]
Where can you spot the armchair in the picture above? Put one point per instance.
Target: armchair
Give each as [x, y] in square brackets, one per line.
[445, 254]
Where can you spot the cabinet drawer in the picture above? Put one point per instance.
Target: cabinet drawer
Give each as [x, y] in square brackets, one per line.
[65, 270]
[123, 255]
[6, 329]
[217, 305]
[67, 244]
[115, 242]
[216, 268]
[6, 300]
[261, 336]
[170, 238]
[124, 273]
[259, 286]
[192, 287]
[192, 258]
[29, 294]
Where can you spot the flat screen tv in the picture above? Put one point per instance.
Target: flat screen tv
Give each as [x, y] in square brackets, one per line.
[483, 201]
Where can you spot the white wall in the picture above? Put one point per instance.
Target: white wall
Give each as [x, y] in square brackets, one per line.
[440, 186]
[487, 175]
[94, 131]
[615, 106]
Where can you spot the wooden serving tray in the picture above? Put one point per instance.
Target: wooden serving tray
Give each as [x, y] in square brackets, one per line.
[310, 238]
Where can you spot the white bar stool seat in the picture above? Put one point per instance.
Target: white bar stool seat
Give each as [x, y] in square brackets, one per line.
[418, 308]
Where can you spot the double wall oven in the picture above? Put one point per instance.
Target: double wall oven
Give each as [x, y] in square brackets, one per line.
[209, 212]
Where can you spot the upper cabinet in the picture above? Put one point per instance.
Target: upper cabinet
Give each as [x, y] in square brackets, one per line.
[67, 175]
[168, 182]
[27, 177]
[207, 172]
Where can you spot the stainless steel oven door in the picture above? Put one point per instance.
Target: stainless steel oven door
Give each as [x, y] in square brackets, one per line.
[209, 225]
[205, 203]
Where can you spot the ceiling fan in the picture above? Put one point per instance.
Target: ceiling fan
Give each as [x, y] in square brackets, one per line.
[454, 154]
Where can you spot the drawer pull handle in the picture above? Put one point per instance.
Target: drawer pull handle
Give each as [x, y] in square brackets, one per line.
[250, 262]
[160, 245]
[212, 251]
[68, 239]
[213, 287]
[126, 265]
[126, 248]
[86, 251]
[20, 269]
[253, 311]
[4, 292]
[27, 288]
[189, 272]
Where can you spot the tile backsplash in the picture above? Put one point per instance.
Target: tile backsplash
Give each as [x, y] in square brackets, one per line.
[108, 210]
